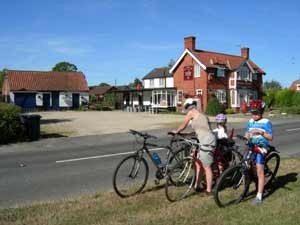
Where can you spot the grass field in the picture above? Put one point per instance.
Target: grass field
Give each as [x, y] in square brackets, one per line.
[281, 207]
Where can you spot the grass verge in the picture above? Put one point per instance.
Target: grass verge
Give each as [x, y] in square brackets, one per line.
[281, 206]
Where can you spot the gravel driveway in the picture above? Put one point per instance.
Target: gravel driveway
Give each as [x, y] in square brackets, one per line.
[81, 123]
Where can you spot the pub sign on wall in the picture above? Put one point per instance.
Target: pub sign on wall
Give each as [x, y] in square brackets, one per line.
[188, 73]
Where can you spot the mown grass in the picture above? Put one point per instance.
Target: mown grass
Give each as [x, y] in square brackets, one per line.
[281, 206]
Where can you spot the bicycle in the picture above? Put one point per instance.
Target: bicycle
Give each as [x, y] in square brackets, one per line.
[234, 183]
[181, 179]
[131, 174]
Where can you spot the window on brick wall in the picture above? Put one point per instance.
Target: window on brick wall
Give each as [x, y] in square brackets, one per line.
[179, 96]
[243, 73]
[221, 95]
[198, 91]
[196, 70]
[221, 72]
[254, 76]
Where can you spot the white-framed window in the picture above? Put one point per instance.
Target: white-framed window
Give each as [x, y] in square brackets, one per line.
[254, 76]
[298, 87]
[161, 82]
[221, 72]
[196, 70]
[199, 92]
[152, 83]
[179, 96]
[221, 95]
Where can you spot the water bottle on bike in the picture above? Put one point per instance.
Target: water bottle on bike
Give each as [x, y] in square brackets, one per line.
[156, 159]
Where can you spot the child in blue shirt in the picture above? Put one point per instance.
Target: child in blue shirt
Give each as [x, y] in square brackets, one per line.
[259, 132]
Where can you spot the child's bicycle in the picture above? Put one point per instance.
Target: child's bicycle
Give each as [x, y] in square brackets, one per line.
[181, 178]
[131, 174]
[234, 183]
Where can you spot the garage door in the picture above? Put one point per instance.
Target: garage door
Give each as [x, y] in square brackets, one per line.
[25, 100]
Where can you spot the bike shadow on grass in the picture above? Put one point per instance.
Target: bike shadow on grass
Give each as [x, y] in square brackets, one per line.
[278, 183]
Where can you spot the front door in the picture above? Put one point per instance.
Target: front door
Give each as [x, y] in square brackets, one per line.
[75, 101]
[55, 100]
[46, 101]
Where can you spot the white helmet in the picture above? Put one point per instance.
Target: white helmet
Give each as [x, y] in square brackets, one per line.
[189, 102]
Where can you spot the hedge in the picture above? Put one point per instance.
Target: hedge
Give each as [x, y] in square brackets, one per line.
[213, 107]
[10, 125]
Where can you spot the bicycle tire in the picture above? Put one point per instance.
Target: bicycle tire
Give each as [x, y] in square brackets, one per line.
[180, 180]
[128, 179]
[271, 167]
[231, 186]
[177, 156]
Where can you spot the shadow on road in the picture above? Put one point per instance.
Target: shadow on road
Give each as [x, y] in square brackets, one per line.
[49, 121]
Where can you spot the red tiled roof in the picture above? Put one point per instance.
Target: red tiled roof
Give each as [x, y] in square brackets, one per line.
[46, 81]
[232, 62]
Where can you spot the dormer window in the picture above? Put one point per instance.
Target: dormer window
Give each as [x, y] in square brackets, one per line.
[221, 72]
[254, 76]
[243, 73]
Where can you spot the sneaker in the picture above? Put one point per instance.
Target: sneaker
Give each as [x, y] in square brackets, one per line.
[257, 201]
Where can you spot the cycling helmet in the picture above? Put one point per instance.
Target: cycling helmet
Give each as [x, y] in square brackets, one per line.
[189, 103]
[257, 106]
[221, 118]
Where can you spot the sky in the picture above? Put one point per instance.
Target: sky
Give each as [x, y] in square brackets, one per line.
[116, 41]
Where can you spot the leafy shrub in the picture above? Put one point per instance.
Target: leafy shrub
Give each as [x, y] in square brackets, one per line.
[229, 111]
[100, 107]
[213, 107]
[291, 110]
[10, 125]
[285, 98]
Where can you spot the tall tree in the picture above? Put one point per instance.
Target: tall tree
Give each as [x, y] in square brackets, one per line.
[272, 85]
[64, 67]
[1, 79]
[103, 84]
[136, 82]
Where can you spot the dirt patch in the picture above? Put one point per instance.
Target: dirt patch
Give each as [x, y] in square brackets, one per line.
[78, 123]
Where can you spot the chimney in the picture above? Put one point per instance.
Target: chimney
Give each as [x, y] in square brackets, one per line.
[189, 42]
[245, 52]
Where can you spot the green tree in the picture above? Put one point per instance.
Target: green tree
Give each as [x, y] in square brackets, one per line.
[171, 63]
[213, 107]
[272, 85]
[136, 82]
[64, 67]
[103, 84]
[1, 79]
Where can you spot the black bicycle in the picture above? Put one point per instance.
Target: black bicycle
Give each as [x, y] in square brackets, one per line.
[131, 175]
[234, 183]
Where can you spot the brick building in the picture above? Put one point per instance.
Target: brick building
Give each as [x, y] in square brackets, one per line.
[295, 86]
[231, 78]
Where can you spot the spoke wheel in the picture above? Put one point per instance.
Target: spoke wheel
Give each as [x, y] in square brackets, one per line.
[271, 167]
[180, 180]
[231, 187]
[130, 176]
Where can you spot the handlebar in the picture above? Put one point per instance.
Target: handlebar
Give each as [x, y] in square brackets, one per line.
[173, 134]
[143, 135]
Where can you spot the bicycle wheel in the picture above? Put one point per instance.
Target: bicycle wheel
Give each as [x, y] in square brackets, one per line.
[180, 180]
[271, 167]
[177, 156]
[130, 176]
[231, 187]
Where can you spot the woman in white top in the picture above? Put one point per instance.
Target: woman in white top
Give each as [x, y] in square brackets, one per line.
[201, 126]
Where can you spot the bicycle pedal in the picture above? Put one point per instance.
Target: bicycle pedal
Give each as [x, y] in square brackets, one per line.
[156, 182]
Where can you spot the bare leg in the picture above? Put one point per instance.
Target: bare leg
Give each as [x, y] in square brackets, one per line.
[209, 176]
[261, 177]
[199, 175]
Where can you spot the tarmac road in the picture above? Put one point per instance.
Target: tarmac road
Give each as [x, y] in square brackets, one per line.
[53, 169]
